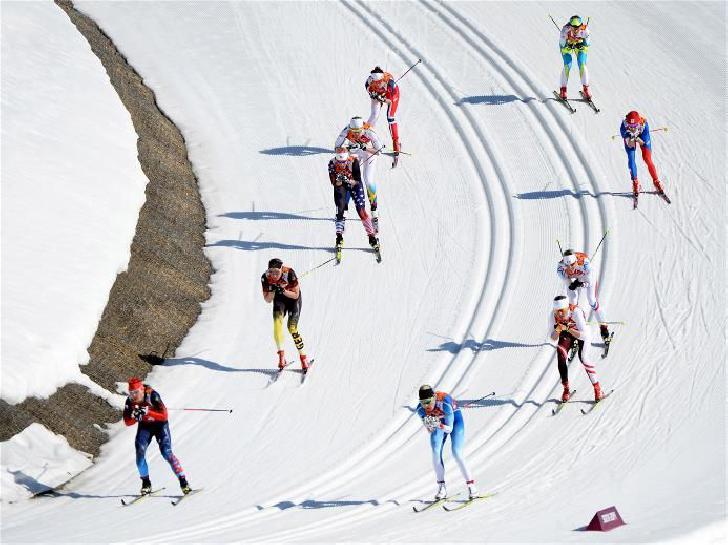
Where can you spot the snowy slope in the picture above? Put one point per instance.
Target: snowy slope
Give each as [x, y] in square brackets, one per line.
[72, 189]
[469, 229]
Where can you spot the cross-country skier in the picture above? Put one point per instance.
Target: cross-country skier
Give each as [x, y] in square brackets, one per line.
[635, 130]
[345, 176]
[362, 141]
[144, 406]
[574, 39]
[576, 272]
[383, 89]
[280, 287]
[569, 325]
[442, 418]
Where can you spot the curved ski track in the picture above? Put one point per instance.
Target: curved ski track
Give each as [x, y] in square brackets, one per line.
[493, 293]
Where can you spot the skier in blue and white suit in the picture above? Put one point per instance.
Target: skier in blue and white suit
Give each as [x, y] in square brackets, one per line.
[442, 418]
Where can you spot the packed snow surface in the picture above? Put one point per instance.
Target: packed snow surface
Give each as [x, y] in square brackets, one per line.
[469, 225]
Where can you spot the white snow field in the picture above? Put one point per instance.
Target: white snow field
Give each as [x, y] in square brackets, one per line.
[469, 225]
[72, 188]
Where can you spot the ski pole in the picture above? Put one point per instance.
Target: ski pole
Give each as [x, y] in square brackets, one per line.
[598, 245]
[554, 22]
[560, 250]
[195, 409]
[477, 400]
[410, 68]
[651, 130]
[316, 267]
[614, 323]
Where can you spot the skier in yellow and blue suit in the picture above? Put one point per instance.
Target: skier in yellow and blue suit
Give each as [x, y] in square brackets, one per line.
[574, 39]
[442, 418]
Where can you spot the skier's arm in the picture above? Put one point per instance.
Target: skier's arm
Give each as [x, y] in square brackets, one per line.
[341, 138]
[268, 291]
[292, 290]
[645, 134]
[157, 412]
[376, 142]
[128, 410]
[447, 419]
[332, 172]
[580, 331]
[562, 37]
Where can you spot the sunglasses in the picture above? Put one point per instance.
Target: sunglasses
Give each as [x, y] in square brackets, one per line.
[427, 401]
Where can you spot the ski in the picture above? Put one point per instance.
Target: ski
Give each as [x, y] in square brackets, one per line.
[278, 373]
[595, 403]
[395, 157]
[139, 497]
[607, 344]
[590, 102]
[561, 404]
[434, 503]
[665, 197]
[305, 373]
[191, 492]
[377, 253]
[339, 247]
[565, 102]
[635, 198]
[467, 502]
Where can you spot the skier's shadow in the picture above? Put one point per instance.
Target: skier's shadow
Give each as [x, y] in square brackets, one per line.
[325, 504]
[560, 193]
[476, 346]
[492, 100]
[263, 216]
[269, 372]
[296, 151]
[485, 403]
[254, 245]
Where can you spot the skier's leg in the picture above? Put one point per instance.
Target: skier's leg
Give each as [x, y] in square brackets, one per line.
[392, 119]
[583, 70]
[341, 197]
[566, 54]
[164, 440]
[360, 202]
[590, 368]
[631, 164]
[591, 295]
[647, 158]
[457, 438]
[368, 169]
[278, 326]
[564, 345]
[376, 107]
[573, 296]
[294, 313]
[437, 444]
[143, 438]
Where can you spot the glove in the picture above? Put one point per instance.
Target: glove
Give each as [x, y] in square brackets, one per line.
[278, 289]
[139, 413]
[576, 284]
[341, 179]
[431, 422]
[376, 96]
[357, 145]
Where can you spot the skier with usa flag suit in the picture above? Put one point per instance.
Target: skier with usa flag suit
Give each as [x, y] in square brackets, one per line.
[442, 418]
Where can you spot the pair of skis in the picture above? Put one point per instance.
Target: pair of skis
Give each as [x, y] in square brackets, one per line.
[661, 194]
[376, 249]
[450, 499]
[304, 373]
[139, 497]
[561, 404]
[567, 104]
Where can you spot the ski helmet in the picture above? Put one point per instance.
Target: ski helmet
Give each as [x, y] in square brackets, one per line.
[569, 257]
[377, 74]
[575, 21]
[633, 118]
[135, 384]
[561, 302]
[426, 393]
[341, 154]
[356, 124]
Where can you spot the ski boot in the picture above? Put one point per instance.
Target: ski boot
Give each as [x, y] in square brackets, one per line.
[604, 331]
[586, 93]
[472, 489]
[635, 192]
[441, 491]
[373, 242]
[375, 221]
[304, 363]
[281, 360]
[184, 485]
[339, 246]
[146, 486]
[566, 394]
[396, 146]
[597, 392]
[562, 93]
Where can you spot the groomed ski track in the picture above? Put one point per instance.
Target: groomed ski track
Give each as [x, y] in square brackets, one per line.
[502, 280]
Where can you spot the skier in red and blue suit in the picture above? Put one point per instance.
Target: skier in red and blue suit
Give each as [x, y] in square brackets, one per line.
[442, 418]
[144, 406]
[636, 130]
